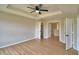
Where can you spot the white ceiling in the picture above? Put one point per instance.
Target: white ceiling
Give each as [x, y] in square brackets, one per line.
[53, 9]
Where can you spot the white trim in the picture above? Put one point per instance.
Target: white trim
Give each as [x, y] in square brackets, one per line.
[16, 43]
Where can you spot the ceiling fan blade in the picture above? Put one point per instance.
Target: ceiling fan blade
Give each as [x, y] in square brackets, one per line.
[43, 10]
[40, 13]
[30, 7]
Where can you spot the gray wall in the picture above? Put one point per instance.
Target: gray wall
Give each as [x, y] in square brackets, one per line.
[14, 29]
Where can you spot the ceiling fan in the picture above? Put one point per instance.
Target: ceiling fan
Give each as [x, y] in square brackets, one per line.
[38, 9]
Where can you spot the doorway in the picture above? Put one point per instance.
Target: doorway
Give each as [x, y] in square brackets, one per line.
[42, 30]
[54, 30]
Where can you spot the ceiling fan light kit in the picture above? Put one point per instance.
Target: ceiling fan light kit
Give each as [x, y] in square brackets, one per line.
[37, 11]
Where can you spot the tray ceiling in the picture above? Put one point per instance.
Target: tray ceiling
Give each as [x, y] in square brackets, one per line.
[53, 9]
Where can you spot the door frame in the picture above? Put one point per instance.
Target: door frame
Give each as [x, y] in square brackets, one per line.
[67, 33]
[49, 34]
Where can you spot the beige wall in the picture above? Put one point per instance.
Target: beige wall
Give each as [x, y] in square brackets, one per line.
[15, 28]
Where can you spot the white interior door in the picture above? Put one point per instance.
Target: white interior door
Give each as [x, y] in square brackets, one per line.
[68, 33]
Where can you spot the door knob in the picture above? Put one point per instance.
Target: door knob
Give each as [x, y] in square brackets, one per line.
[67, 35]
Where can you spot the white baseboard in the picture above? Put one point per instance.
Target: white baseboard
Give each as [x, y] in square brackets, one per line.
[77, 50]
[16, 43]
[74, 48]
[62, 41]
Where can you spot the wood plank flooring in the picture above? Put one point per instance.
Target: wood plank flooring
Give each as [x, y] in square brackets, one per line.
[38, 47]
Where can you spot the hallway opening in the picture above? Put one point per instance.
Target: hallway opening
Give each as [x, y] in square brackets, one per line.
[54, 30]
